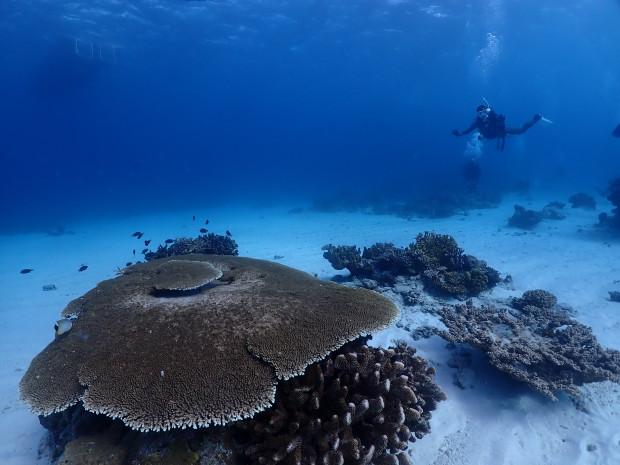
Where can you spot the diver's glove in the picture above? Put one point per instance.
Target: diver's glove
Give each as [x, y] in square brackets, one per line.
[537, 117]
[456, 132]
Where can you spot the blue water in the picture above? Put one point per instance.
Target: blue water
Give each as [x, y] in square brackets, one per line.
[117, 107]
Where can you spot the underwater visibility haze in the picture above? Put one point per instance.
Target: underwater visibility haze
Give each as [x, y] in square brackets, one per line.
[115, 107]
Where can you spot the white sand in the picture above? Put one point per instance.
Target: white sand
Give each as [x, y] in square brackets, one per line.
[495, 421]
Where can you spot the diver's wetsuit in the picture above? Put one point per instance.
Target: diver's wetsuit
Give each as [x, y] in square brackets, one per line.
[493, 126]
[492, 130]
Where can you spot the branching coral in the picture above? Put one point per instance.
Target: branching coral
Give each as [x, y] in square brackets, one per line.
[360, 405]
[436, 258]
[545, 349]
[434, 250]
[203, 244]
[536, 298]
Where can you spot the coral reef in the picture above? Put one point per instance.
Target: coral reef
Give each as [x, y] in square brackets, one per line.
[545, 349]
[203, 244]
[525, 219]
[582, 200]
[195, 356]
[435, 258]
[77, 437]
[613, 195]
[359, 405]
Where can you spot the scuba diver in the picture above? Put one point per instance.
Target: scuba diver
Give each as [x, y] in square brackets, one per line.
[491, 125]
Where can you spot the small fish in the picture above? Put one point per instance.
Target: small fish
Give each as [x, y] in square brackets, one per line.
[128, 264]
[26, 270]
[134, 252]
[147, 242]
[140, 235]
[62, 326]
[136, 234]
[169, 241]
[203, 230]
[207, 222]
[228, 233]
[82, 268]
[194, 218]
[144, 251]
[616, 132]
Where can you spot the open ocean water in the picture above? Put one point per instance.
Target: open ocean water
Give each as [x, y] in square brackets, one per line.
[170, 117]
[121, 107]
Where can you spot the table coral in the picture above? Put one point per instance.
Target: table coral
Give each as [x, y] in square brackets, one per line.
[157, 349]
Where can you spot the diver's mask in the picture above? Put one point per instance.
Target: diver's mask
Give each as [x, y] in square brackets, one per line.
[484, 113]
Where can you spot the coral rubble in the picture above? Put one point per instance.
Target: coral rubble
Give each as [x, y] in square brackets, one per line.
[359, 405]
[541, 347]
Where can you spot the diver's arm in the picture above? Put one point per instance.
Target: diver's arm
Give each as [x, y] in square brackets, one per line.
[525, 127]
[473, 126]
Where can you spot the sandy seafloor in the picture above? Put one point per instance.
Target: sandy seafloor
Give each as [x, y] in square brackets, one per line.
[494, 421]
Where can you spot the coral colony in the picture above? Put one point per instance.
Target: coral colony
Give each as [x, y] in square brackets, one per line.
[194, 357]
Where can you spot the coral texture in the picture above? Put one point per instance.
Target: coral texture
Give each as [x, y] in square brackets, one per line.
[212, 355]
[203, 244]
[545, 349]
[183, 275]
[436, 258]
[536, 298]
[359, 405]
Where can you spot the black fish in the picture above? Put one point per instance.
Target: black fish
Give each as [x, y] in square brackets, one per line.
[616, 132]
[228, 233]
[137, 234]
[169, 241]
[140, 235]
[128, 264]
[207, 222]
[194, 218]
[26, 270]
[83, 267]
[203, 230]
[144, 251]
[147, 242]
[134, 252]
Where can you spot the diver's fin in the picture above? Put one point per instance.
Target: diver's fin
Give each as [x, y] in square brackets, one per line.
[545, 122]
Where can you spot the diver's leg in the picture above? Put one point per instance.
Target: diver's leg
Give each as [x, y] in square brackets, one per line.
[525, 127]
